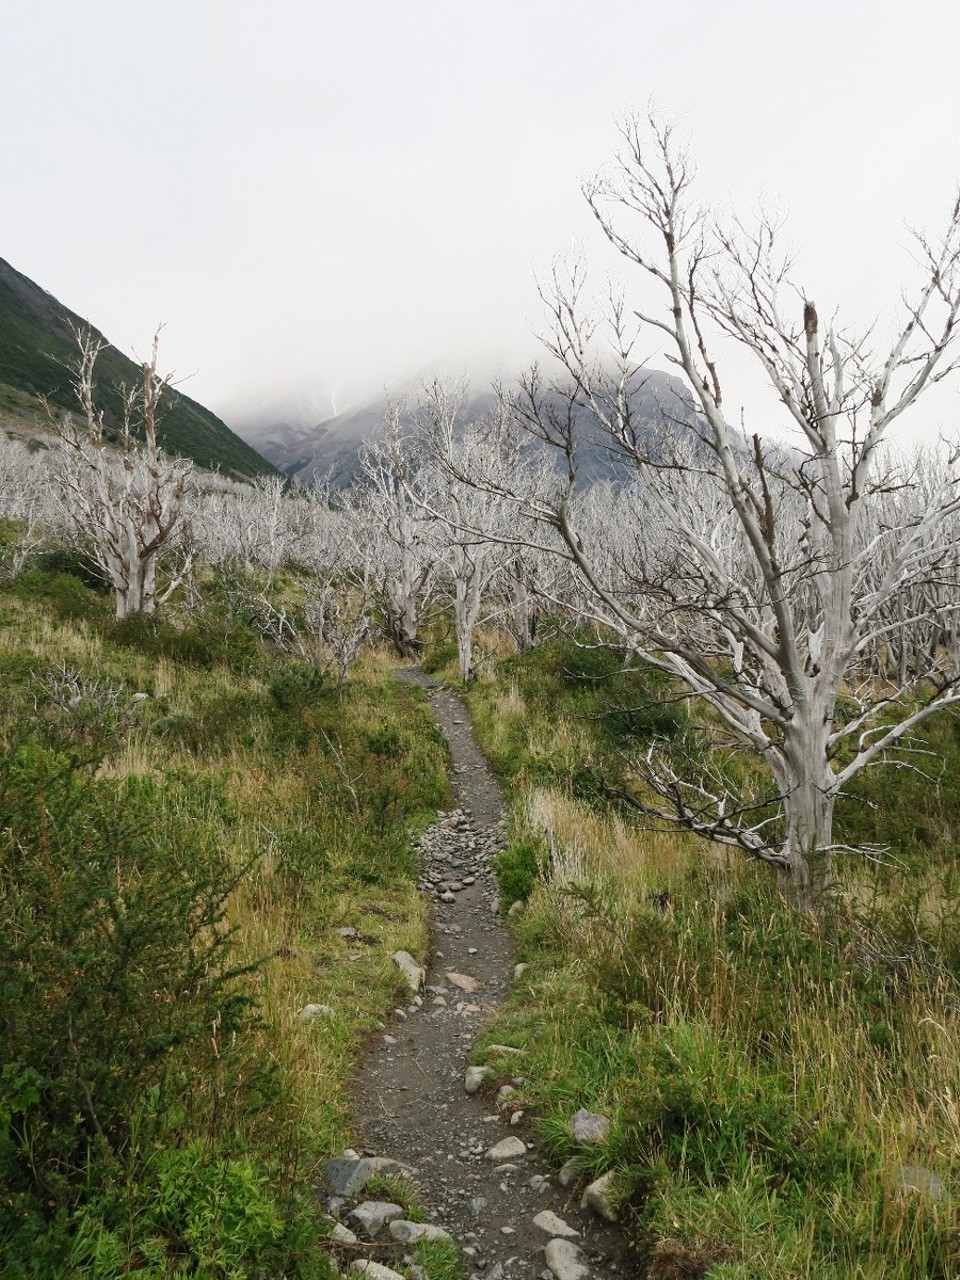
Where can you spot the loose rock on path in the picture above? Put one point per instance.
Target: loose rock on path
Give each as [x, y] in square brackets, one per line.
[474, 1163]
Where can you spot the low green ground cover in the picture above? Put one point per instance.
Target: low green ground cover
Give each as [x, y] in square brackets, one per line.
[186, 821]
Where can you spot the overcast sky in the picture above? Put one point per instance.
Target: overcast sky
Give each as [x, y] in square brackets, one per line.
[317, 198]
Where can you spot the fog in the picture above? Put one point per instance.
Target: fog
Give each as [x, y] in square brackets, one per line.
[320, 199]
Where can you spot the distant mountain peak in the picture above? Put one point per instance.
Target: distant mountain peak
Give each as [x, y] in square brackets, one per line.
[332, 447]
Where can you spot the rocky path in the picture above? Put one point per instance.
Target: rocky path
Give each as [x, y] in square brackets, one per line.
[466, 1145]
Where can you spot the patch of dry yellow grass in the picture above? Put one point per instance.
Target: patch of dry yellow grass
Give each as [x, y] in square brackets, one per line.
[164, 678]
[39, 634]
[584, 842]
[135, 758]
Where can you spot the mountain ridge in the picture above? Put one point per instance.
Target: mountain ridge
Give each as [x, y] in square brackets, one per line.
[330, 449]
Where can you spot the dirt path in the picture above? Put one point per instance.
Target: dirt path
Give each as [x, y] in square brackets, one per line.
[413, 1106]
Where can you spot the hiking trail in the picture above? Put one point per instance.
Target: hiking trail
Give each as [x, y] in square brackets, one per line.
[467, 1148]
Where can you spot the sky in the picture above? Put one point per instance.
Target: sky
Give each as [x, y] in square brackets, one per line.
[317, 199]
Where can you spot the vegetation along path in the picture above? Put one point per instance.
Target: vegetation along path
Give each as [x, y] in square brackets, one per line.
[425, 1112]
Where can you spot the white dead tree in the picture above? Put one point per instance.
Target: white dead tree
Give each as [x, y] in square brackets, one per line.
[475, 546]
[520, 591]
[403, 546]
[127, 501]
[757, 576]
[324, 610]
[252, 529]
[26, 499]
[335, 621]
[920, 623]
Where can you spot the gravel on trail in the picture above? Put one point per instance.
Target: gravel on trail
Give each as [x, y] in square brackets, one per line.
[475, 1164]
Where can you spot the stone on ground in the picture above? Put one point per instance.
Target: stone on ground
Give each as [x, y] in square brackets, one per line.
[310, 1012]
[342, 1235]
[474, 1078]
[373, 1215]
[588, 1128]
[507, 1149]
[463, 981]
[414, 973]
[913, 1178]
[374, 1270]
[548, 1222]
[410, 1232]
[597, 1198]
[566, 1261]
[349, 1174]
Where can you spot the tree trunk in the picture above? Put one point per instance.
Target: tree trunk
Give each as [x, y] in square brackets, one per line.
[523, 612]
[466, 607]
[403, 624]
[808, 799]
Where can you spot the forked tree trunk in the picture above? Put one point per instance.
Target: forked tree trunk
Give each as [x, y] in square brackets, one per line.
[403, 626]
[403, 611]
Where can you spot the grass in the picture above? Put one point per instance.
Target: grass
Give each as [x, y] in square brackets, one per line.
[244, 780]
[769, 1075]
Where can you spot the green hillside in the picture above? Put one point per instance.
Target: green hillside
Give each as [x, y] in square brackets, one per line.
[35, 346]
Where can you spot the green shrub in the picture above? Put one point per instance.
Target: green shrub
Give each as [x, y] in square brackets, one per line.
[115, 968]
[385, 740]
[220, 1207]
[67, 596]
[593, 683]
[438, 656]
[296, 685]
[149, 633]
[205, 642]
[180, 1210]
[519, 866]
[78, 564]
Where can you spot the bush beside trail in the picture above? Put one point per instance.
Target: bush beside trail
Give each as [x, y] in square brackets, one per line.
[187, 818]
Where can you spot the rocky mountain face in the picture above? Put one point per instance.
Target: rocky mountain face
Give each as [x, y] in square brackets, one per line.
[330, 448]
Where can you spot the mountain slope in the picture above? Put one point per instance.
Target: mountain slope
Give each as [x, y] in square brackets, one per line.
[36, 350]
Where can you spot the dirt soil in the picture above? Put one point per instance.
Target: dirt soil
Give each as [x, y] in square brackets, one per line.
[412, 1105]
